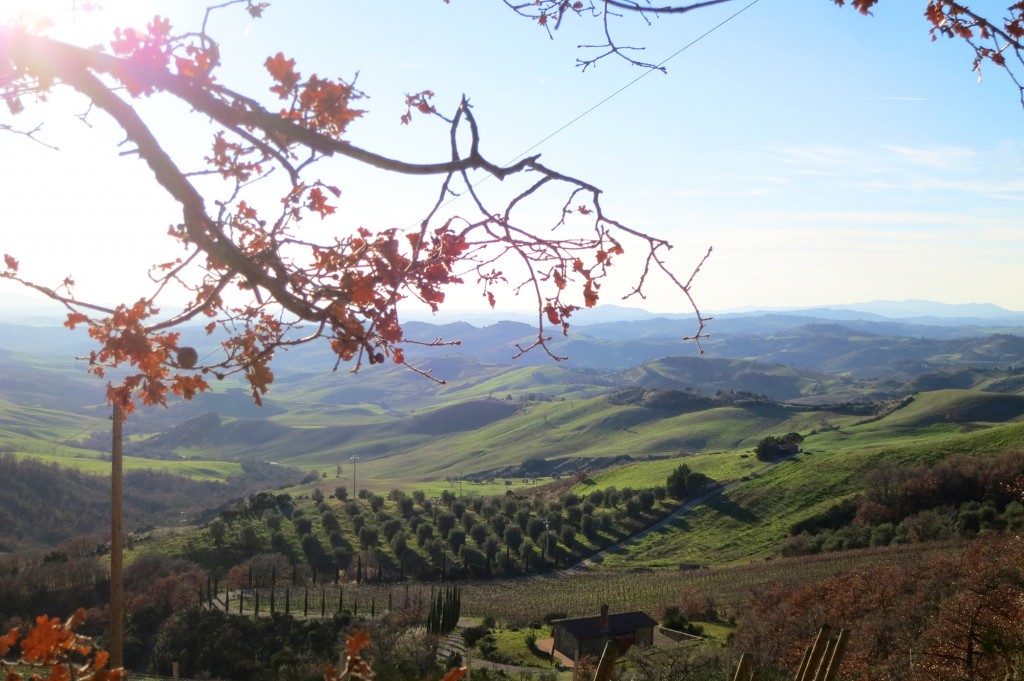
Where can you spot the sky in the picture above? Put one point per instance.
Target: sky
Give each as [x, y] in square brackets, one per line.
[826, 157]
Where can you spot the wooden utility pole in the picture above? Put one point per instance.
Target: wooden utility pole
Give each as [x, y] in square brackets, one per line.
[116, 541]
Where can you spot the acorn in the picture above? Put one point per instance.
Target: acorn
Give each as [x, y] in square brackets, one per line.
[187, 357]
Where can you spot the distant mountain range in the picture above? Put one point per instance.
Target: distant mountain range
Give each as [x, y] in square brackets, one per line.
[23, 309]
[839, 339]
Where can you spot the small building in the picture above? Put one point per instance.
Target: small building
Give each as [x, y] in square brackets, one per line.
[579, 637]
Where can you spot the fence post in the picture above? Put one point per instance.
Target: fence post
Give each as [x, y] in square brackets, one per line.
[817, 650]
[743, 668]
[825, 658]
[802, 669]
[837, 655]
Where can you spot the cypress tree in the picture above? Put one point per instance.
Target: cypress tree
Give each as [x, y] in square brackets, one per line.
[340, 603]
[432, 616]
[257, 611]
[287, 600]
[272, 598]
[305, 603]
[323, 603]
[446, 610]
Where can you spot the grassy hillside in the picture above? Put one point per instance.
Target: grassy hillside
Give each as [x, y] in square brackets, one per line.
[585, 428]
[749, 521]
[486, 419]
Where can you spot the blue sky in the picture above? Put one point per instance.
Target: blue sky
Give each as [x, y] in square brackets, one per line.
[827, 157]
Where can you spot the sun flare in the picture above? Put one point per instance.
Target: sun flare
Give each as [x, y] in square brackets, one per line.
[78, 21]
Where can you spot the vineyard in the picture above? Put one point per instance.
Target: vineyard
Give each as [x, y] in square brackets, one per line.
[519, 602]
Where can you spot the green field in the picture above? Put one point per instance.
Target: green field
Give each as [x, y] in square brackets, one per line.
[481, 422]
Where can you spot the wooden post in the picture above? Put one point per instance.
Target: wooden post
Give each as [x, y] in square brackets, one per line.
[837, 655]
[802, 669]
[116, 540]
[825, 658]
[817, 650]
[743, 668]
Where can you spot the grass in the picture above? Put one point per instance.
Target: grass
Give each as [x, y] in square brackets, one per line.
[419, 451]
[748, 522]
[591, 428]
[512, 646]
[720, 466]
[215, 471]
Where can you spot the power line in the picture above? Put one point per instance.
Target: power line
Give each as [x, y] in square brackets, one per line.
[65, 441]
[636, 80]
[604, 101]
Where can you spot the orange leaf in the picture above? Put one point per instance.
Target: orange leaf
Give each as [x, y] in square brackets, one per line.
[75, 318]
[59, 672]
[283, 71]
[552, 314]
[356, 641]
[362, 292]
[11, 263]
[454, 674]
[6, 642]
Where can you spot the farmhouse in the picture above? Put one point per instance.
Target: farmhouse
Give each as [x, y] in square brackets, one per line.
[582, 636]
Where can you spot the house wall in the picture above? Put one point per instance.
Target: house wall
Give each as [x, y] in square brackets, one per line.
[644, 636]
[593, 647]
[564, 642]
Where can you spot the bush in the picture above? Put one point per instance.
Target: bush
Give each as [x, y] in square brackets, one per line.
[471, 635]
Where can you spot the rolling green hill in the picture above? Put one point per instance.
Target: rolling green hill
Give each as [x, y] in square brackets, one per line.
[485, 417]
[749, 521]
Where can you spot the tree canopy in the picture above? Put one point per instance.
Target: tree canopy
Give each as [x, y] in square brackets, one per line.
[255, 274]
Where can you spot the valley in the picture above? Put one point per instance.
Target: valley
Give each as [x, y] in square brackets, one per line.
[358, 484]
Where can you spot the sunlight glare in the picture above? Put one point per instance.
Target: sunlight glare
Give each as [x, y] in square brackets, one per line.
[80, 21]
